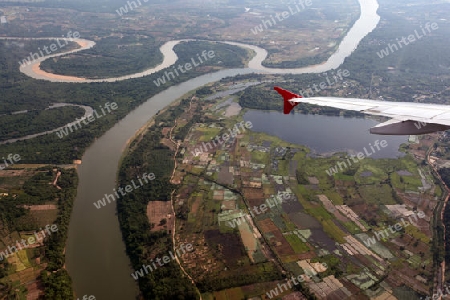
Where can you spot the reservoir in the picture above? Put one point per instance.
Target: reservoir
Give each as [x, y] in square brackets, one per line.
[325, 134]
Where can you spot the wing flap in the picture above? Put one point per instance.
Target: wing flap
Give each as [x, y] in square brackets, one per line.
[408, 127]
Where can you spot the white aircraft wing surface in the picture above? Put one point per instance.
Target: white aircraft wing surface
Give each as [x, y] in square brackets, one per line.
[407, 117]
[430, 113]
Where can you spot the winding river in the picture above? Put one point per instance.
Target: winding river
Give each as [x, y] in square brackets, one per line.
[367, 22]
[95, 253]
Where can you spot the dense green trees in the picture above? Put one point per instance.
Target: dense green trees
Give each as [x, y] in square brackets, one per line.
[111, 56]
[19, 125]
[114, 56]
[10, 212]
[19, 93]
[57, 282]
[149, 155]
[57, 285]
[36, 190]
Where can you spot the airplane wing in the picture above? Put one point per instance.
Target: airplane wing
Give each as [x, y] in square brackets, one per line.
[408, 118]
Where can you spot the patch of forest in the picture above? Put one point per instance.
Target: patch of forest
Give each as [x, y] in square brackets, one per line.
[36, 121]
[150, 156]
[115, 56]
[14, 218]
[21, 93]
[307, 19]
[111, 56]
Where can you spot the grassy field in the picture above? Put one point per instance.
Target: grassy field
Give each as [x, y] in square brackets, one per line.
[406, 183]
[334, 197]
[259, 157]
[416, 233]
[333, 231]
[23, 262]
[208, 134]
[377, 194]
[296, 243]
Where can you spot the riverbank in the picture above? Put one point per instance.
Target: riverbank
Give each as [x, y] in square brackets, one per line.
[139, 134]
[367, 22]
[87, 112]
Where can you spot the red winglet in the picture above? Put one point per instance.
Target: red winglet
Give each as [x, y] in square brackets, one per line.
[288, 106]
